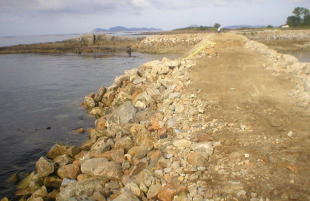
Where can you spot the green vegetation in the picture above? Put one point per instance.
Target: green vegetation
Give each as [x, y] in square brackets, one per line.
[301, 18]
[216, 25]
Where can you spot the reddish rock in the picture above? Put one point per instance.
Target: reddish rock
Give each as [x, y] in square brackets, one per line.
[169, 191]
[154, 158]
[80, 130]
[52, 181]
[81, 177]
[70, 171]
[53, 194]
[141, 165]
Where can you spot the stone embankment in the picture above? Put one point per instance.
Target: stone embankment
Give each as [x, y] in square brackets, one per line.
[149, 140]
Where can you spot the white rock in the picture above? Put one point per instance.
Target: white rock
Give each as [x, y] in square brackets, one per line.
[140, 104]
[182, 143]
[290, 134]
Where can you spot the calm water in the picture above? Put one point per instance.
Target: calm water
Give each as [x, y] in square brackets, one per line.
[41, 91]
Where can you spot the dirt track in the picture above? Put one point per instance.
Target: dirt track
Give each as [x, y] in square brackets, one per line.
[264, 143]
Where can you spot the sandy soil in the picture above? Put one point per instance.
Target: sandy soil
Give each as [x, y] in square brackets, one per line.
[262, 137]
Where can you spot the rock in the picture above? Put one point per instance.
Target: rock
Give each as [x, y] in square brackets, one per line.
[126, 197]
[52, 195]
[197, 159]
[44, 167]
[98, 196]
[89, 102]
[204, 147]
[13, 179]
[100, 146]
[25, 182]
[153, 191]
[97, 111]
[72, 151]
[174, 95]
[125, 143]
[118, 155]
[40, 193]
[139, 80]
[134, 188]
[169, 191]
[52, 181]
[62, 160]
[100, 94]
[123, 114]
[140, 104]
[102, 167]
[70, 171]
[57, 150]
[100, 123]
[141, 152]
[80, 130]
[121, 98]
[5, 199]
[182, 143]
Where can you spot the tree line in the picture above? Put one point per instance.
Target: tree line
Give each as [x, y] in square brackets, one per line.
[300, 18]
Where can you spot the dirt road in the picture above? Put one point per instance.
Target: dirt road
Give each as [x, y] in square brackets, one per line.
[261, 135]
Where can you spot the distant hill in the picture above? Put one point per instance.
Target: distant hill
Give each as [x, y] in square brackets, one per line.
[124, 29]
[243, 26]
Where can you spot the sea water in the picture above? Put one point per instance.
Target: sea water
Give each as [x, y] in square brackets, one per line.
[40, 99]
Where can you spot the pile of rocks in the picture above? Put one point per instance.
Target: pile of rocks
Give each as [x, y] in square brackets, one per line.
[170, 43]
[280, 35]
[148, 143]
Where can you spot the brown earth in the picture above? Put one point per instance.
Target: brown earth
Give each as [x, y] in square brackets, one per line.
[264, 136]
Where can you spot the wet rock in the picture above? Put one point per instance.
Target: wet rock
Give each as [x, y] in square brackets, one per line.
[70, 171]
[57, 150]
[102, 90]
[26, 181]
[123, 114]
[169, 191]
[126, 197]
[153, 191]
[52, 181]
[13, 179]
[80, 130]
[183, 143]
[62, 160]
[45, 167]
[40, 193]
[102, 167]
[89, 102]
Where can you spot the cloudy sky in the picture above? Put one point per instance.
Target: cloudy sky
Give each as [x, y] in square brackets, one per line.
[28, 17]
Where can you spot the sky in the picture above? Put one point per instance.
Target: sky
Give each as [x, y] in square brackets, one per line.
[34, 17]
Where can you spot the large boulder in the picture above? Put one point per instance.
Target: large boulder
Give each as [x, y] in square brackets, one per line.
[70, 171]
[123, 114]
[102, 167]
[45, 167]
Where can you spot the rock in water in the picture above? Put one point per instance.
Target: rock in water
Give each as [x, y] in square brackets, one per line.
[57, 150]
[100, 94]
[89, 102]
[123, 114]
[45, 167]
[102, 167]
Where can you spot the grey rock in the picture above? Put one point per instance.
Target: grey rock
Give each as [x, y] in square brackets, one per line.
[153, 191]
[102, 167]
[205, 147]
[100, 146]
[126, 197]
[123, 114]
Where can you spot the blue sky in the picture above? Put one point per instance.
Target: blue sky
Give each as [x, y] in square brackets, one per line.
[29, 17]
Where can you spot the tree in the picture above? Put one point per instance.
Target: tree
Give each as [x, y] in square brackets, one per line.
[301, 17]
[269, 27]
[293, 21]
[217, 25]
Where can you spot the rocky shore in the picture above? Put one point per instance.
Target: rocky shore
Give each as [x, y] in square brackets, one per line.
[151, 139]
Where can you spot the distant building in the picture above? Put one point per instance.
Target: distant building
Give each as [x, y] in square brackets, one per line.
[286, 26]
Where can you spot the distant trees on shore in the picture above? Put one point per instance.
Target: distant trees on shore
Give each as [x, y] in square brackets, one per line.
[301, 17]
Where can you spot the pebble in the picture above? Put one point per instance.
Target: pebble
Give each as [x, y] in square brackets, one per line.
[290, 134]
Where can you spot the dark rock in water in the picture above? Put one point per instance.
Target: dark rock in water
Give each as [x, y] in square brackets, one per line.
[100, 94]
[13, 179]
[123, 114]
[48, 128]
[45, 167]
